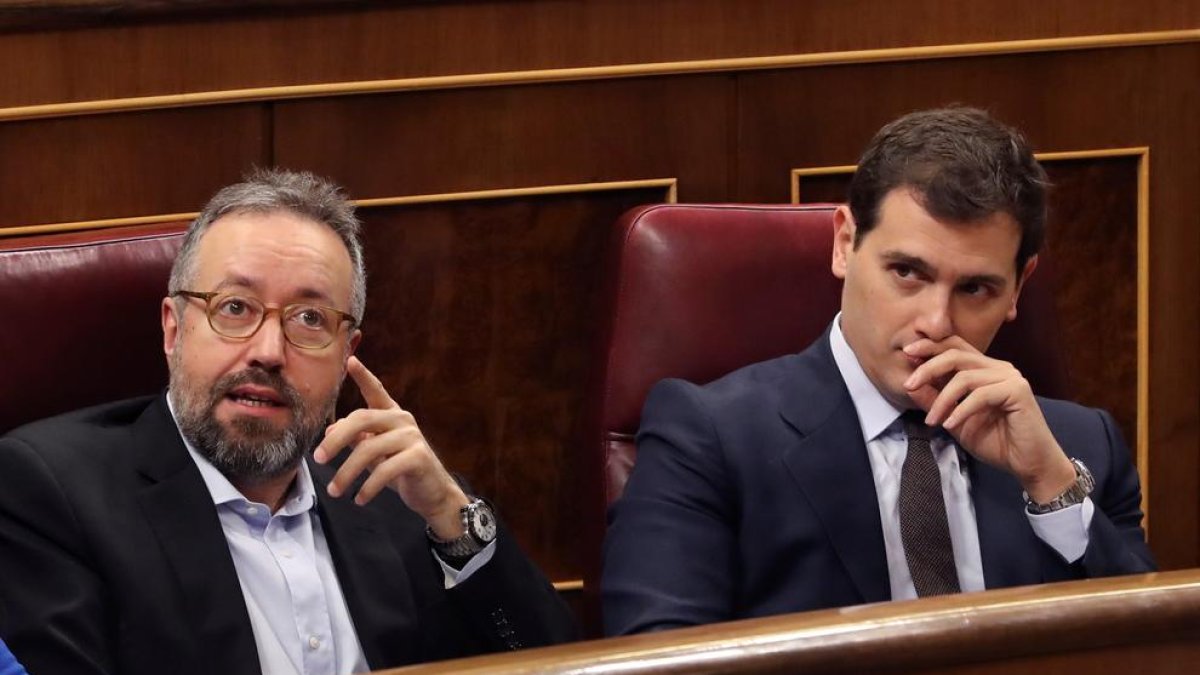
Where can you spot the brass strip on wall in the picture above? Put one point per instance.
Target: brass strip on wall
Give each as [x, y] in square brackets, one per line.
[892, 54]
[572, 585]
[670, 185]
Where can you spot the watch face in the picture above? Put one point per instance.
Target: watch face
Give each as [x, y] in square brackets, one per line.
[483, 523]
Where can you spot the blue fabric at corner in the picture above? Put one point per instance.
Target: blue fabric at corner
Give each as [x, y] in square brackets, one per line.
[8, 663]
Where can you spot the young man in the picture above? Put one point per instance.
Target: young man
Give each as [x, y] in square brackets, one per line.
[892, 458]
[227, 526]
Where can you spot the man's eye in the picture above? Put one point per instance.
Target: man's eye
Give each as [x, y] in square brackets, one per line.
[902, 271]
[233, 307]
[974, 289]
[310, 317]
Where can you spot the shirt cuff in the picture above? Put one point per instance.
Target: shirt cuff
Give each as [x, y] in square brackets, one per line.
[454, 577]
[1065, 530]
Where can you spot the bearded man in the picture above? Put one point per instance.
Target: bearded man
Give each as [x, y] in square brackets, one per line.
[226, 526]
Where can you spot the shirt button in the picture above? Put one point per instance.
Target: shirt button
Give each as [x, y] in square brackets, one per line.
[314, 642]
[252, 510]
[286, 554]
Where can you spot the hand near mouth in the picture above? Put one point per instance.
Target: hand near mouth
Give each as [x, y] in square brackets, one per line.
[989, 408]
[389, 446]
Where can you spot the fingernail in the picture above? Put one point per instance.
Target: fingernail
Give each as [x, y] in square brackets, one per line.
[333, 490]
[319, 456]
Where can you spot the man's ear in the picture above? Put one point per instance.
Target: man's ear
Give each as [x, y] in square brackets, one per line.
[170, 326]
[1030, 266]
[355, 339]
[843, 240]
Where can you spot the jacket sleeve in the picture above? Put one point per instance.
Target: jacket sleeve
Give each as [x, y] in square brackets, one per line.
[511, 604]
[1116, 542]
[52, 604]
[669, 554]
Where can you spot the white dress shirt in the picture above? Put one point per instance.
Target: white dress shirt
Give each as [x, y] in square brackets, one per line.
[1066, 530]
[299, 616]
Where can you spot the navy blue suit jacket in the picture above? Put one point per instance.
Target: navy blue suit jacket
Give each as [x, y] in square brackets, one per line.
[753, 495]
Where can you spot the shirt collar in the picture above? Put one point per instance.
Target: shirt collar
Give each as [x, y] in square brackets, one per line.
[302, 496]
[875, 413]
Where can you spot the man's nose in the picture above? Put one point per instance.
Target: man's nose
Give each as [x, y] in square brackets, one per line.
[268, 346]
[936, 318]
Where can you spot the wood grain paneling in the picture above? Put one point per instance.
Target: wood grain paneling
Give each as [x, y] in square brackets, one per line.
[479, 320]
[393, 40]
[1091, 244]
[125, 165]
[447, 141]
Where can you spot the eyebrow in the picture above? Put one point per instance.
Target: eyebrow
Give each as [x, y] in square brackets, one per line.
[241, 281]
[925, 269]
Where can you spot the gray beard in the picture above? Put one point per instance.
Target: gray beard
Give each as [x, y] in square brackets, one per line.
[253, 451]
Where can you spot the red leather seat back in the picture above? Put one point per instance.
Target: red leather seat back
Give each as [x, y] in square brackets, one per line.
[702, 290]
[79, 318]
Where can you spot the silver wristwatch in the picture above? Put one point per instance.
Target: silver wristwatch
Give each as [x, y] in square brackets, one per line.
[479, 524]
[1079, 490]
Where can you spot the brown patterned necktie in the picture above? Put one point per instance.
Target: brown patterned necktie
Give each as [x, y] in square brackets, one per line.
[923, 525]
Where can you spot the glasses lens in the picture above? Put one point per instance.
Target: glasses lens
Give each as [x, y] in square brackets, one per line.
[309, 326]
[235, 315]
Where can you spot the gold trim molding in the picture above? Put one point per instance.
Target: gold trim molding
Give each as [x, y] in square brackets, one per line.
[1142, 154]
[352, 88]
[670, 185]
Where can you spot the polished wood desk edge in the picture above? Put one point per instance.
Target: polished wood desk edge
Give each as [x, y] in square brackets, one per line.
[966, 628]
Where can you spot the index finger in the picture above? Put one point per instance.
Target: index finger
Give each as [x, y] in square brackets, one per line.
[937, 370]
[927, 348]
[373, 391]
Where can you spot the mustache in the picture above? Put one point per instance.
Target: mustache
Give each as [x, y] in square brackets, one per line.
[260, 377]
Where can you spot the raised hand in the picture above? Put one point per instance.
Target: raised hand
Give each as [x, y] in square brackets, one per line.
[989, 408]
[385, 441]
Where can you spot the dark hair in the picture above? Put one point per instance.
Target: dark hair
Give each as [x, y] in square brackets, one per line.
[267, 190]
[962, 166]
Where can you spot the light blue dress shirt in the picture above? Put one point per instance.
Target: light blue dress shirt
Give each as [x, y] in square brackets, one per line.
[299, 616]
[1066, 530]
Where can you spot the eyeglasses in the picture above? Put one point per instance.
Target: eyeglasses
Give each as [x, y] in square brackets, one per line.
[240, 316]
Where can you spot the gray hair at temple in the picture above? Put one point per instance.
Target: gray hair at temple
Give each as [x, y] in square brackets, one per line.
[267, 190]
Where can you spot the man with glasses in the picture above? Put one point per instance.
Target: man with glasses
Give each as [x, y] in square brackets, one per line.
[193, 532]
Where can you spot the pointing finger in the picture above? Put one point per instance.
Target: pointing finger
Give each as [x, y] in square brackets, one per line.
[373, 391]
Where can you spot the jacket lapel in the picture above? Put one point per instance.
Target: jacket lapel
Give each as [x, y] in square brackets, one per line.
[830, 464]
[372, 575]
[180, 511]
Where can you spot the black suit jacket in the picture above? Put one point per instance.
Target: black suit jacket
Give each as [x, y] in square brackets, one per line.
[112, 559]
[753, 496]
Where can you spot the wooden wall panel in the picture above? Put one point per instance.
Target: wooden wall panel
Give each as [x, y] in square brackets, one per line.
[286, 47]
[480, 319]
[1091, 244]
[130, 164]
[521, 136]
